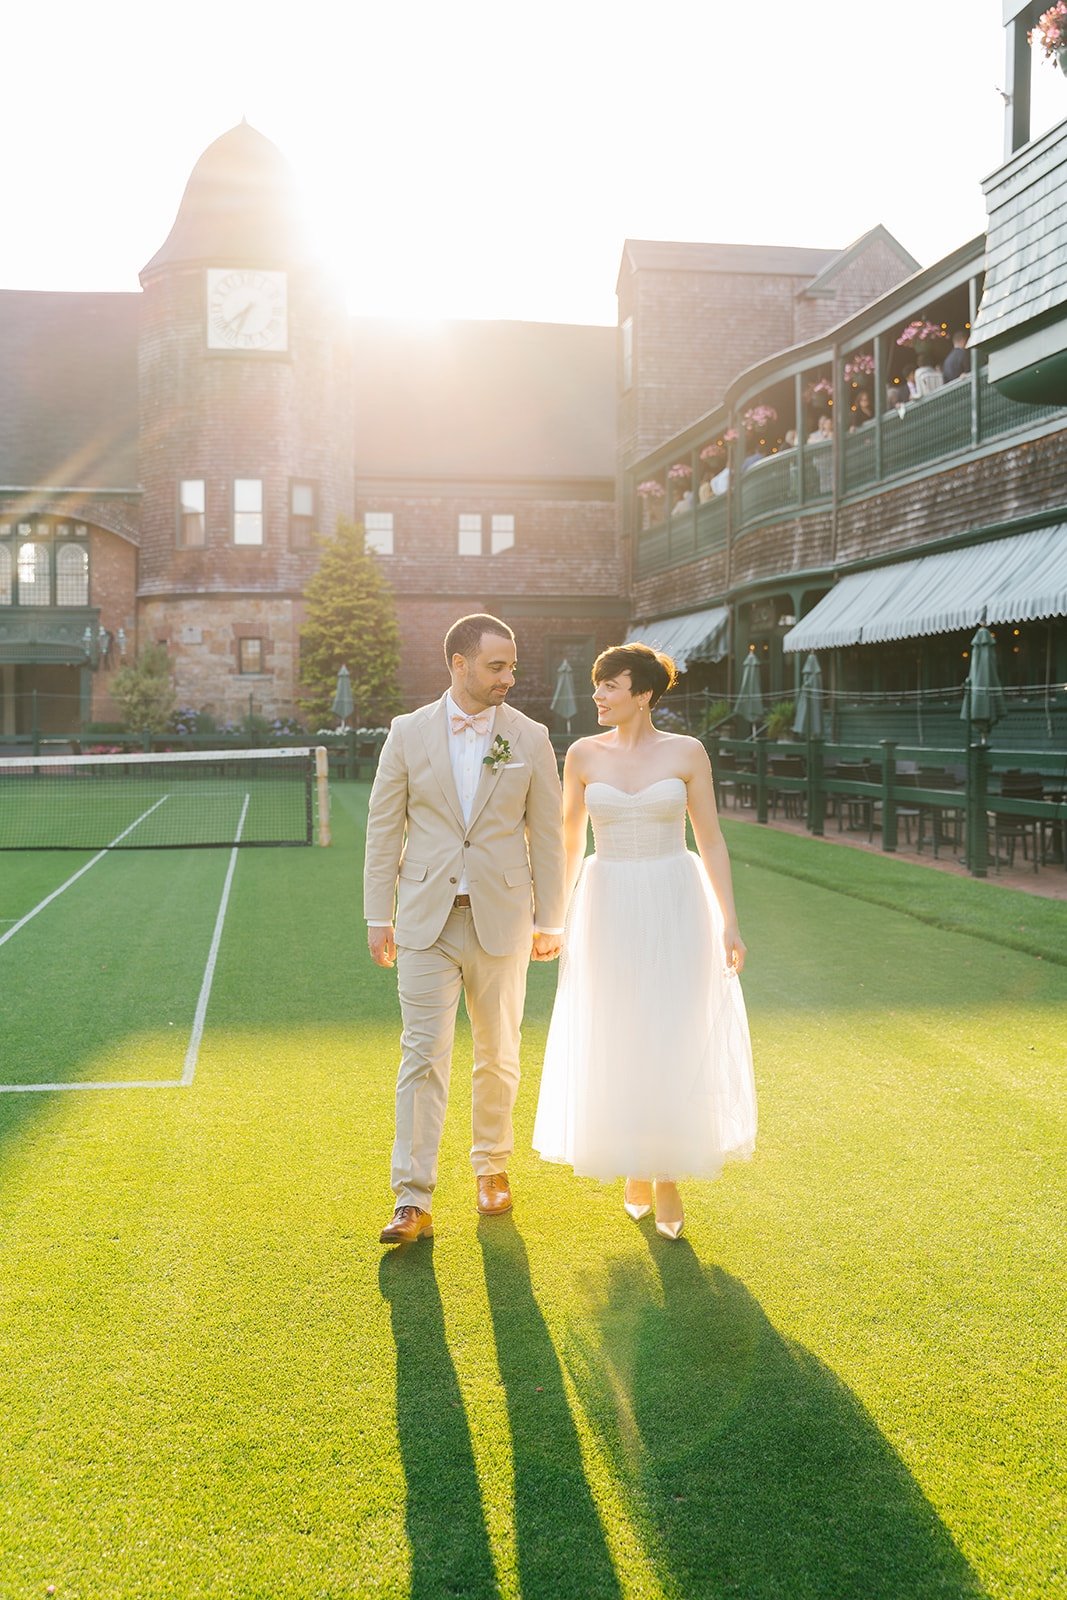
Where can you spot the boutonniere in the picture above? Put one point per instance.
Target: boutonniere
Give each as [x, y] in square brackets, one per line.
[499, 754]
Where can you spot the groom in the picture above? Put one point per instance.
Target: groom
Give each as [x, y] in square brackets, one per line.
[465, 834]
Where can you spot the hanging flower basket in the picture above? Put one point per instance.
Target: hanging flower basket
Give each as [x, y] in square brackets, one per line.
[651, 490]
[729, 436]
[713, 452]
[1051, 34]
[757, 417]
[858, 367]
[680, 469]
[922, 336]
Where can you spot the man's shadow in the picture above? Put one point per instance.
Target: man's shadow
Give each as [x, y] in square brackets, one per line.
[446, 1529]
[751, 1468]
[560, 1542]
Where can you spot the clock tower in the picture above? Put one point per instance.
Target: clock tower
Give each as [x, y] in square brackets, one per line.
[245, 428]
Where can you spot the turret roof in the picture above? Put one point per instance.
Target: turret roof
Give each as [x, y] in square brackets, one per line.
[240, 208]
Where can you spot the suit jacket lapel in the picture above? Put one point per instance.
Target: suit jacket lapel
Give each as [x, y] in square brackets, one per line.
[506, 725]
[435, 733]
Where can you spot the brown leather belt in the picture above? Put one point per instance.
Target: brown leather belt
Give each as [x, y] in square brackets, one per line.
[462, 902]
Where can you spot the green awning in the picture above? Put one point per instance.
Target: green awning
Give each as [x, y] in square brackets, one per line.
[1019, 579]
[695, 636]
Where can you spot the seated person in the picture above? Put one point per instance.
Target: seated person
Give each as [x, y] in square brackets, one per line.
[928, 380]
[790, 440]
[864, 411]
[958, 360]
[684, 502]
[705, 492]
[754, 455]
[721, 481]
[824, 430]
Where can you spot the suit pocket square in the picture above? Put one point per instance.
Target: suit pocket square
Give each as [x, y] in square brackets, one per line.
[509, 764]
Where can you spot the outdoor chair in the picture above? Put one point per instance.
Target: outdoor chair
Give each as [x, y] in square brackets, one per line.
[855, 811]
[792, 800]
[1009, 831]
[944, 822]
[906, 815]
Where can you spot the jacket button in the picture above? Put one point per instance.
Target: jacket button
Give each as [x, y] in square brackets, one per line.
[466, 844]
[453, 880]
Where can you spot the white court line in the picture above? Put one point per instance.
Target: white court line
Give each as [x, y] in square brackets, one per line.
[209, 971]
[193, 1050]
[47, 901]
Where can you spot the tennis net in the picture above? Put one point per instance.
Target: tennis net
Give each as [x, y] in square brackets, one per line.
[165, 801]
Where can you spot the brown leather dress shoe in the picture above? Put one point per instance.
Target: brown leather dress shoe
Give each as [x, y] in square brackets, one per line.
[494, 1194]
[408, 1224]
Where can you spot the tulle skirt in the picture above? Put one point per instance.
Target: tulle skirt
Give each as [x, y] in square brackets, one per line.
[648, 1066]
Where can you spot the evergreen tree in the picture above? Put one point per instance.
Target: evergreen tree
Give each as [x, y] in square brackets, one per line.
[350, 620]
[145, 693]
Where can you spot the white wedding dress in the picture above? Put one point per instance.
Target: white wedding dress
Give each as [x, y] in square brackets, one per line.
[648, 1067]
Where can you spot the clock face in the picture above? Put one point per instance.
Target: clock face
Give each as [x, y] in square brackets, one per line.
[246, 309]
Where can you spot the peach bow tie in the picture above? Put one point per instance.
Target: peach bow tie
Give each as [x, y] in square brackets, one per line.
[479, 722]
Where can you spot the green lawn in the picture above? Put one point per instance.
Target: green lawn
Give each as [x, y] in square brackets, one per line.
[844, 1382]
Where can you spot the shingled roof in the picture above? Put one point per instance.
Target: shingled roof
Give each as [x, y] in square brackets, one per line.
[68, 389]
[775, 260]
[484, 400]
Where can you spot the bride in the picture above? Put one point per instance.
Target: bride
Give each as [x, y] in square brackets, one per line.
[648, 1066]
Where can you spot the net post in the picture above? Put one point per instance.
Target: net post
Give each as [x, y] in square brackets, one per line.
[322, 783]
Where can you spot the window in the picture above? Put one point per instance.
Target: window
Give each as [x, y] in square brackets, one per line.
[503, 533]
[72, 575]
[626, 342]
[35, 573]
[192, 523]
[6, 574]
[378, 531]
[470, 534]
[301, 514]
[250, 655]
[248, 511]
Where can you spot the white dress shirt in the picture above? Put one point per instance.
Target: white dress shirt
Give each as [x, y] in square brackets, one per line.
[467, 750]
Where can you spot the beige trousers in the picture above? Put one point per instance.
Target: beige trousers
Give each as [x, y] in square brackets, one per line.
[430, 983]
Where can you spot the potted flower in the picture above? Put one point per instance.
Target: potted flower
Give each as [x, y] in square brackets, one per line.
[858, 367]
[650, 492]
[922, 337]
[1051, 34]
[757, 417]
[680, 470]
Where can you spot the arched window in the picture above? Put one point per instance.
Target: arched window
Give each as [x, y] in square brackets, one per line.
[34, 575]
[72, 575]
[5, 575]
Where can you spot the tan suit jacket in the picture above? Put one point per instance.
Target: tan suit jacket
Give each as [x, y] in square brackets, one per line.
[418, 846]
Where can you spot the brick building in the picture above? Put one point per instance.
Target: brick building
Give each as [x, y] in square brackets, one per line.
[165, 457]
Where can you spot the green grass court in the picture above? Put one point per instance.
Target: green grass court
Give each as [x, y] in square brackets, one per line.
[844, 1383]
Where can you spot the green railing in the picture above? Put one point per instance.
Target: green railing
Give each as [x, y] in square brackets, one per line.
[960, 416]
[956, 798]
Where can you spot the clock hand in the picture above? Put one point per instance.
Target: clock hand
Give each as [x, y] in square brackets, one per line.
[238, 322]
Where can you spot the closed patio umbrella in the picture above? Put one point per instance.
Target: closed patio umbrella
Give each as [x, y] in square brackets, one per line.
[983, 697]
[342, 700]
[564, 703]
[749, 703]
[808, 719]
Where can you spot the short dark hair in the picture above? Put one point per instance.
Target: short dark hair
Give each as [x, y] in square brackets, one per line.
[648, 668]
[464, 636]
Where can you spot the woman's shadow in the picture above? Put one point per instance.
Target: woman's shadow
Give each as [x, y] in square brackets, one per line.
[752, 1469]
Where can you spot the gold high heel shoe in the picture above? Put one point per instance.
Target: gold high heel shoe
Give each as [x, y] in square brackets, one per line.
[670, 1228]
[636, 1208]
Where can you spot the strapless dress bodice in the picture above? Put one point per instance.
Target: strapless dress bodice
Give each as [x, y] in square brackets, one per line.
[643, 826]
